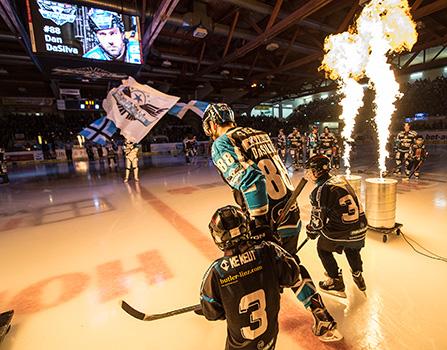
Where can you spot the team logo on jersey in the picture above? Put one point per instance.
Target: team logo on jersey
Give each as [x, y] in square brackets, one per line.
[225, 265]
[57, 12]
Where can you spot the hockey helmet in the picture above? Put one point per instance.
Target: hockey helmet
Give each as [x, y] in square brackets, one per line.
[219, 113]
[228, 227]
[102, 19]
[318, 165]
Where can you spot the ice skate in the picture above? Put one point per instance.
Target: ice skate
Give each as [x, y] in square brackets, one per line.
[126, 180]
[359, 281]
[334, 286]
[324, 327]
[5, 320]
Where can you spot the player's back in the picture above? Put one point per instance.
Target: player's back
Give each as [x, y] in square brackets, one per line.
[345, 217]
[248, 286]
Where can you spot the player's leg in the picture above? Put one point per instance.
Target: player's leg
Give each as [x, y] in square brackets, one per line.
[135, 169]
[356, 264]
[334, 283]
[128, 167]
[408, 163]
[418, 164]
[324, 327]
[397, 171]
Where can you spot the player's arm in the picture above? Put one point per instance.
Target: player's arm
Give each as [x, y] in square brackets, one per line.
[285, 266]
[319, 213]
[210, 300]
[241, 174]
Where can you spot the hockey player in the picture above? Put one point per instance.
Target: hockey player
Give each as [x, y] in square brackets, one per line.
[338, 220]
[244, 285]
[131, 153]
[312, 142]
[403, 144]
[335, 159]
[3, 167]
[5, 323]
[327, 142]
[282, 144]
[112, 156]
[418, 156]
[296, 147]
[249, 163]
[190, 147]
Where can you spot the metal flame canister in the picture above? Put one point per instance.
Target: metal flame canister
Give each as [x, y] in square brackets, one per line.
[356, 182]
[381, 199]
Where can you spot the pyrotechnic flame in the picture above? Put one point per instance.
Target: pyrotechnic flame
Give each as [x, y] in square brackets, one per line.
[345, 60]
[383, 27]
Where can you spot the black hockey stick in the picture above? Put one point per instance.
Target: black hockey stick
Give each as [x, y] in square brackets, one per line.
[144, 317]
[291, 202]
[416, 169]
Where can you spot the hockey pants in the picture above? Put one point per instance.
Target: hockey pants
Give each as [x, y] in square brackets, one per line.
[405, 158]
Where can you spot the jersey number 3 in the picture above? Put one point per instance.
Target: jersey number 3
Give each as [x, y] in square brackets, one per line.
[258, 316]
[353, 209]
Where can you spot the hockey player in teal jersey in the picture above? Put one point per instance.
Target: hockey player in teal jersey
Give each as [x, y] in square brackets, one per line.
[251, 166]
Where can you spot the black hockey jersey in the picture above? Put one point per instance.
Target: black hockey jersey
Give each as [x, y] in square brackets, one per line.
[295, 140]
[245, 289]
[281, 142]
[327, 141]
[418, 151]
[405, 140]
[337, 214]
[249, 163]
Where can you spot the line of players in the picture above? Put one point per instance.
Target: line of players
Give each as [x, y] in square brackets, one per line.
[303, 147]
[260, 253]
[410, 152]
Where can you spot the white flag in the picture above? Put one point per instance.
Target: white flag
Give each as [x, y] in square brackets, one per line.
[136, 108]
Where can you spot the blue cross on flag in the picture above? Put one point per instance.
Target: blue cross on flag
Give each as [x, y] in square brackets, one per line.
[100, 131]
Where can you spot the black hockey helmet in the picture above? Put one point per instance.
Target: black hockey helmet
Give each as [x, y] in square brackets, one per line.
[319, 165]
[102, 19]
[219, 113]
[228, 227]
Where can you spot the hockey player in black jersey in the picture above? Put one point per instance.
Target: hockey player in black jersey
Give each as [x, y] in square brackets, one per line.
[327, 142]
[339, 223]
[403, 144]
[244, 285]
[282, 145]
[296, 147]
[418, 155]
[250, 165]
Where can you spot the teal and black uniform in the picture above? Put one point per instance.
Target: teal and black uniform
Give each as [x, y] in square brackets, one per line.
[249, 163]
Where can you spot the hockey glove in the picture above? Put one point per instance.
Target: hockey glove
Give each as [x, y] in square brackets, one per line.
[260, 230]
[311, 233]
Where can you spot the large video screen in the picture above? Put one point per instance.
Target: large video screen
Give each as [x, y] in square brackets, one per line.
[67, 29]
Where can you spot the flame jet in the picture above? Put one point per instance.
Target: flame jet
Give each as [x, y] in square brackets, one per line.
[383, 27]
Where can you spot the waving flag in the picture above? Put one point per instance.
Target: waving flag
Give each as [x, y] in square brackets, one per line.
[100, 131]
[195, 106]
[136, 108]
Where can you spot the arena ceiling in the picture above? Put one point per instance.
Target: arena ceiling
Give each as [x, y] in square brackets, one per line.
[254, 50]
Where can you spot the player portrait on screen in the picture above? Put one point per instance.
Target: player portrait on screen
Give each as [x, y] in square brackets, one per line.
[112, 44]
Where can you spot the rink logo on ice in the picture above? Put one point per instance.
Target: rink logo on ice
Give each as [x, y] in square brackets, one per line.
[57, 12]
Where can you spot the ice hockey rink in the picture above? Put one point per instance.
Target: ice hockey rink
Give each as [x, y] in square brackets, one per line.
[75, 241]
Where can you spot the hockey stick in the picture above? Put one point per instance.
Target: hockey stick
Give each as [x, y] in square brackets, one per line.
[292, 200]
[416, 169]
[144, 317]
